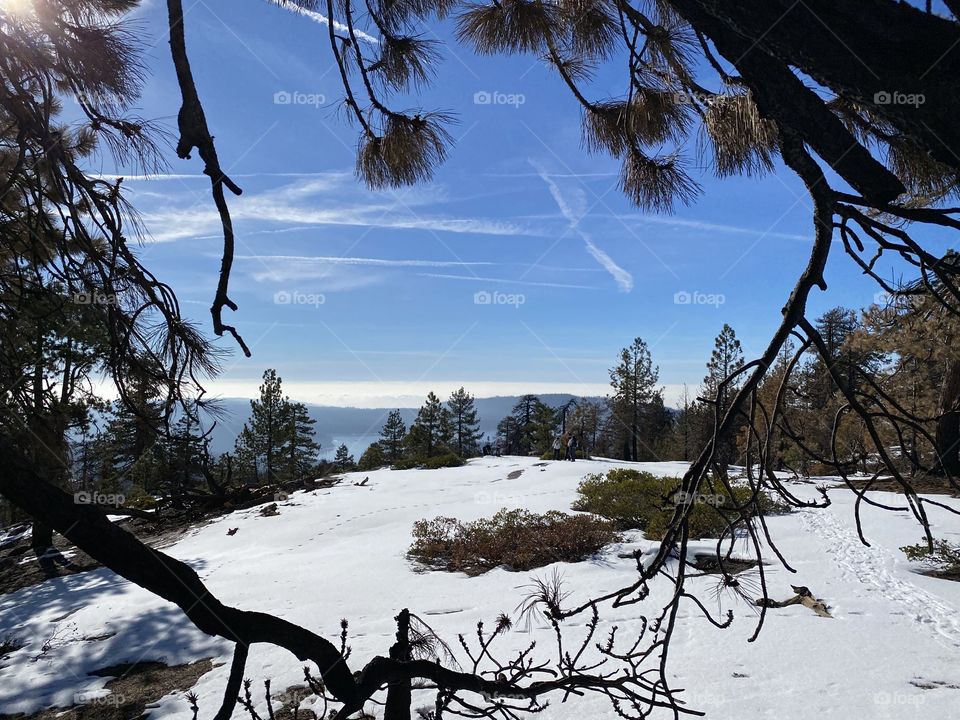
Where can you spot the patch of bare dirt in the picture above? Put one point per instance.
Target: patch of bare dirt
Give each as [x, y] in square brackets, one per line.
[132, 688]
[928, 485]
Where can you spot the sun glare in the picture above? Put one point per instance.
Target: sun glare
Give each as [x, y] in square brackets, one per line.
[17, 7]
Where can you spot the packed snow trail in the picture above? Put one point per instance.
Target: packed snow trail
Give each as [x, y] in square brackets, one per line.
[871, 566]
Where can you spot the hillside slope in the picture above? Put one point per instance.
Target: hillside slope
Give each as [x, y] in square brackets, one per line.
[891, 650]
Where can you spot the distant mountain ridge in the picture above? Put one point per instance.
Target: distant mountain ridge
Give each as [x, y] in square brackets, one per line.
[358, 427]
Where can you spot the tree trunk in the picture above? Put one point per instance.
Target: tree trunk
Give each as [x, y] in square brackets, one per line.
[865, 56]
[948, 422]
[399, 695]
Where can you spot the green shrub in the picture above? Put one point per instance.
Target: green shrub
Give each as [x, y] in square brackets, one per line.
[517, 539]
[635, 500]
[443, 461]
[372, 458]
[138, 498]
[943, 559]
[431, 463]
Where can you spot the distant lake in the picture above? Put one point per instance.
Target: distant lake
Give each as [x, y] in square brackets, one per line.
[357, 444]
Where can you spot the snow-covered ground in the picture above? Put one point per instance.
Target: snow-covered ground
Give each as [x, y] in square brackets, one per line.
[341, 553]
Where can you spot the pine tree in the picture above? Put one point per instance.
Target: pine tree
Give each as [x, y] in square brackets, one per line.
[245, 463]
[300, 449]
[509, 435]
[372, 458]
[464, 423]
[268, 424]
[634, 381]
[131, 434]
[430, 432]
[690, 417]
[586, 421]
[277, 443]
[726, 358]
[392, 436]
[343, 461]
[530, 427]
[184, 453]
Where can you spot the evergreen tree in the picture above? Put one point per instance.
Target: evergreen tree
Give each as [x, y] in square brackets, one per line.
[184, 454]
[586, 420]
[264, 436]
[244, 459]
[392, 437]
[725, 359]
[634, 381]
[277, 443]
[372, 458]
[530, 428]
[464, 423]
[131, 434]
[343, 461]
[430, 432]
[509, 435]
[300, 449]
[690, 417]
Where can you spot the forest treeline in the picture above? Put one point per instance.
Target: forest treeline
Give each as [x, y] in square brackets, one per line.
[904, 348]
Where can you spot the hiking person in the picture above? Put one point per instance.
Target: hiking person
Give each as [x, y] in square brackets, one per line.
[572, 448]
[557, 445]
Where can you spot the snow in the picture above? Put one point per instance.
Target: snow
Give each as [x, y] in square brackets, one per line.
[340, 552]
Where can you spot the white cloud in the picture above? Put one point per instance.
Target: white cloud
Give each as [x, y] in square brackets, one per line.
[324, 20]
[573, 206]
[284, 268]
[507, 281]
[396, 393]
[317, 201]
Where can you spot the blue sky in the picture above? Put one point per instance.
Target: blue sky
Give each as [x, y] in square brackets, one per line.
[371, 298]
